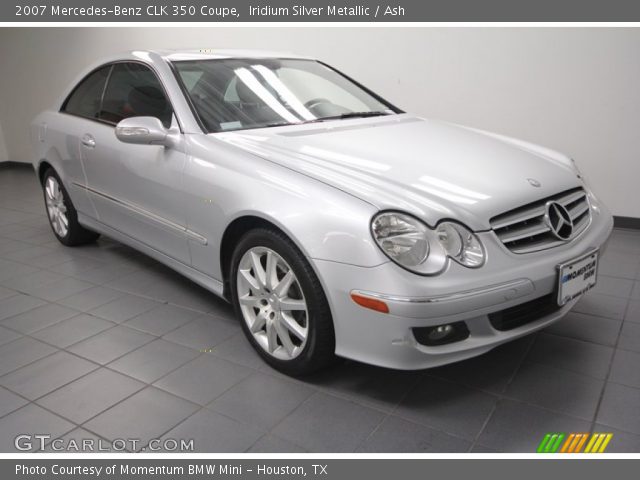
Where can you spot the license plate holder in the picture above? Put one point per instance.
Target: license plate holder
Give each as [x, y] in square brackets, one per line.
[577, 276]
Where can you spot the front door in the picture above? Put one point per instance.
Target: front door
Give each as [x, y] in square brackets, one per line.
[136, 189]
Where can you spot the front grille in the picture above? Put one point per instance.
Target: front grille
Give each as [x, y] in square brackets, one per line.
[524, 229]
[524, 313]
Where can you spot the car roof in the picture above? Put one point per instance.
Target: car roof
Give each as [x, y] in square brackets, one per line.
[215, 53]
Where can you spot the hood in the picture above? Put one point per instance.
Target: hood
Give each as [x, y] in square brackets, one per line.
[431, 169]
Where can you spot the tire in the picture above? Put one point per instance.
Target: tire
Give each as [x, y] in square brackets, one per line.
[266, 305]
[61, 213]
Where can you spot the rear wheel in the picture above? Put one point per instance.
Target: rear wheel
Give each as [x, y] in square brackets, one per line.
[62, 215]
[281, 304]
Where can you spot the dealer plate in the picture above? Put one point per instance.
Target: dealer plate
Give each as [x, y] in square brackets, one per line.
[577, 277]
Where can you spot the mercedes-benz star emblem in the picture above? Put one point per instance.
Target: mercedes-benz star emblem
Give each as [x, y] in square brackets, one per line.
[559, 221]
[534, 183]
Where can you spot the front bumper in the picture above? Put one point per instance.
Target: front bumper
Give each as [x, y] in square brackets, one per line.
[459, 294]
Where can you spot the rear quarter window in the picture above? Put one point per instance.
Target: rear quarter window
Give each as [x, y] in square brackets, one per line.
[134, 91]
[85, 98]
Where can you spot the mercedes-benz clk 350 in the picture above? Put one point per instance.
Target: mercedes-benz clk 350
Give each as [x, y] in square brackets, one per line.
[335, 223]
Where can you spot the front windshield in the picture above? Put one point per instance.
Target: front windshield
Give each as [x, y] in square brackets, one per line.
[238, 94]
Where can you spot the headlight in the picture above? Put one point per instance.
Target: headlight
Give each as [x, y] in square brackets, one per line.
[461, 244]
[402, 238]
[413, 245]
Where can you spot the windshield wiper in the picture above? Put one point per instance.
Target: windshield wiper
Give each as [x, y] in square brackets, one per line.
[322, 119]
[349, 115]
[275, 124]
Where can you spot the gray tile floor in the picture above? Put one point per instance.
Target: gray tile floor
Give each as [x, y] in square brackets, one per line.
[102, 342]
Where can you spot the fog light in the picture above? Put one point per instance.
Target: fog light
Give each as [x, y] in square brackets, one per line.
[441, 334]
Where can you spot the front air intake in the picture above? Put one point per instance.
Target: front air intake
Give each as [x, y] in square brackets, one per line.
[524, 313]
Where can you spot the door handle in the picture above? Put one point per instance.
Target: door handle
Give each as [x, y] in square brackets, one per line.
[88, 141]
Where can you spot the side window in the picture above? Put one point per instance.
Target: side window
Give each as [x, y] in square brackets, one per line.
[84, 100]
[134, 91]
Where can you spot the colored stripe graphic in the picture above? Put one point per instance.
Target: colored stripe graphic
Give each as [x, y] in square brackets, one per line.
[574, 442]
[557, 443]
[591, 443]
[565, 447]
[543, 443]
[581, 443]
[598, 443]
[605, 443]
[550, 443]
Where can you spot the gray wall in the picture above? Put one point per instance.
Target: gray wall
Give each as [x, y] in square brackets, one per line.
[573, 89]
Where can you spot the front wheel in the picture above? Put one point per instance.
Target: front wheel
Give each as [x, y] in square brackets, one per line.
[281, 304]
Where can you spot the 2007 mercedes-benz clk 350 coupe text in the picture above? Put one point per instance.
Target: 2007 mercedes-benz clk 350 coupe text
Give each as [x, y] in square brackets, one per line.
[336, 224]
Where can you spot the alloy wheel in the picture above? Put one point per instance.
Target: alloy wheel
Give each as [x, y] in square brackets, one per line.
[56, 208]
[272, 303]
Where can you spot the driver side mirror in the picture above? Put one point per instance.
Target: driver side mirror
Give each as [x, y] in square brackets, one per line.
[143, 131]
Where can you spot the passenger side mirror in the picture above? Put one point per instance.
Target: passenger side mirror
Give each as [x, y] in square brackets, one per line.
[143, 131]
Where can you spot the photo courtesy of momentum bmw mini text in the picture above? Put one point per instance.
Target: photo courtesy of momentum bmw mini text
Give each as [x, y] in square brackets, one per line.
[210, 469]
[297, 238]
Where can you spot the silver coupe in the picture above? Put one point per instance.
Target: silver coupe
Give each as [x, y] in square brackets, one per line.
[335, 223]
